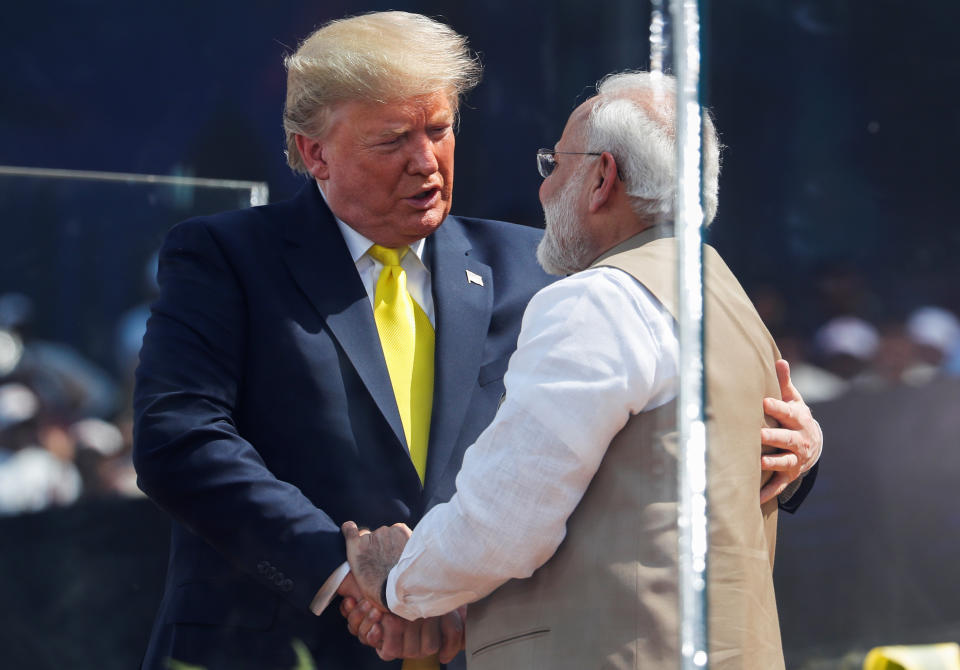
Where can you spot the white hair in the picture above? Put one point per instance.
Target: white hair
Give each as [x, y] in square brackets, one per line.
[634, 119]
[381, 57]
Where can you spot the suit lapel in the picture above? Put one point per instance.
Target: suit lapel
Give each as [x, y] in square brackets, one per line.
[321, 265]
[463, 309]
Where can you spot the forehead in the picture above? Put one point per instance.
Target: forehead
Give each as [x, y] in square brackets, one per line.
[373, 115]
[576, 124]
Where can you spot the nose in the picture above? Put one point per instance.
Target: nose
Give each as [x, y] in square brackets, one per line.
[423, 156]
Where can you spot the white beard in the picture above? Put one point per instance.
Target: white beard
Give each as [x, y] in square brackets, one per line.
[564, 248]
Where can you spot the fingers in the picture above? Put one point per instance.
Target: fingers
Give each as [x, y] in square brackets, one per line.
[347, 605]
[411, 639]
[369, 630]
[787, 390]
[391, 644]
[788, 463]
[774, 487]
[451, 636]
[786, 413]
[782, 438]
[429, 642]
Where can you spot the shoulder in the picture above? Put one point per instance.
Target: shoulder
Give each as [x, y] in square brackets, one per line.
[601, 295]
[480, 226]
[258, 227]
[600, 285]
[489, 233]
[234, 223]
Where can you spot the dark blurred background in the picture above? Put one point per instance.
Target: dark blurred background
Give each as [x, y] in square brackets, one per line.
[841, 126]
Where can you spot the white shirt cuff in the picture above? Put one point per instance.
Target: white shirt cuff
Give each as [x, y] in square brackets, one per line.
[329, 589]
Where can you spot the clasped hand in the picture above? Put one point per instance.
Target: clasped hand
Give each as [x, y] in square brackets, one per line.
[371, 556]
[799, 438]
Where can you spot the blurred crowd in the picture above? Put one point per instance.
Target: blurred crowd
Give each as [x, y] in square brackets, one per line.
[65, 422]
[857, 340]
[849, 352]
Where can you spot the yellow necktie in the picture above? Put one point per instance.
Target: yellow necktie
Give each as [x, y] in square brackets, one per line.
[407, 339]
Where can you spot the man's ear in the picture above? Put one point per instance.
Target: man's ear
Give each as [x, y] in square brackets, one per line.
[311, 150]
[605, 182]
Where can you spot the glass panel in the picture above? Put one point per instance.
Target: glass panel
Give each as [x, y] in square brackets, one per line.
[77, 274]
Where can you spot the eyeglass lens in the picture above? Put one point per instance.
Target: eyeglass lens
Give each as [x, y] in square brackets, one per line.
[545, 164]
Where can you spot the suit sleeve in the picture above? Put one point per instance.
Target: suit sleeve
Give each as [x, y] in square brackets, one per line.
[798, 490]
[189, 456]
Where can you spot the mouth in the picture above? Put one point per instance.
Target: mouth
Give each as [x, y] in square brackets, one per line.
[424, 199]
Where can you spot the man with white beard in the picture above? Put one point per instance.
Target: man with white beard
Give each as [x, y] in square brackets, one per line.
[564, 520]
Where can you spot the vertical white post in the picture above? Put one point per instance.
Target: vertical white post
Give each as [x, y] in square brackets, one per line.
[692, 469]
[658, 37]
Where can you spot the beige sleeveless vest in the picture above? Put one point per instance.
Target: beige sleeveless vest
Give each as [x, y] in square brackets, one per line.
[608, 596]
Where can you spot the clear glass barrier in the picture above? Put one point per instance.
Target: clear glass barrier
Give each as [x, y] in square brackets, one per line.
[77, 274]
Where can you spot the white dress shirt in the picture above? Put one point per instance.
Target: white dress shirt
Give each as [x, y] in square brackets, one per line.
[594, 349]
[418, 285]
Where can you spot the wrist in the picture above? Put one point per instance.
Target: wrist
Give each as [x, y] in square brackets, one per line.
[383, 594]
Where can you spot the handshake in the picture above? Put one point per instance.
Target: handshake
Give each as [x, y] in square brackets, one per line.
[371, 556]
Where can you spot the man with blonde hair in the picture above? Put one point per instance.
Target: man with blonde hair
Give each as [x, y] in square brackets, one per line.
[268, 411]
[563, 529]
[325, 358]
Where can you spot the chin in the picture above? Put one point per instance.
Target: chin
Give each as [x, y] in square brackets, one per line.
[435, 217]
[424, 225]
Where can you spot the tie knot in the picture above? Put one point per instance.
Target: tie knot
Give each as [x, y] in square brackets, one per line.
[386, 255]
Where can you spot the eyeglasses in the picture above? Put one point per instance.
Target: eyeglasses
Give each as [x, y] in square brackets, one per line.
[546, 162]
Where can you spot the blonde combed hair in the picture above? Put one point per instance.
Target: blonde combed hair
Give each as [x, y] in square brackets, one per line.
[378, 57]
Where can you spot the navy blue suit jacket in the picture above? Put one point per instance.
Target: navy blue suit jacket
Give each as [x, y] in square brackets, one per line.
[265, 417]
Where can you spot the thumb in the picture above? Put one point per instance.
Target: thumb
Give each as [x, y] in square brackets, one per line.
[350, 530]
[787, 390]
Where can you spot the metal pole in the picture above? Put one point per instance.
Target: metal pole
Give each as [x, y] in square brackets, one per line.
[692, 519]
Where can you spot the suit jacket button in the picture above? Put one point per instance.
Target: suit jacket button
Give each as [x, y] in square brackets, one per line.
[286, 585]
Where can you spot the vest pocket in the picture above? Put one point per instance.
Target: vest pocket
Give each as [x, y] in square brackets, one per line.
[520, 637]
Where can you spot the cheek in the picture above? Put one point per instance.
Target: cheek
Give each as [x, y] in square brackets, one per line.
[444, 153]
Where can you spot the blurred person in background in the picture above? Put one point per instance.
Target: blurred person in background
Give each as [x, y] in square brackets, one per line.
[935, 332]
[845, 346]
[103, 457]
[68, 383]
[36, 459]
[913, 352]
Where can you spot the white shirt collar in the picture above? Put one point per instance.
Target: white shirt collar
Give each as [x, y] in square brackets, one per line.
[357, 243]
